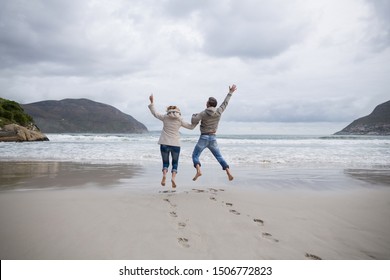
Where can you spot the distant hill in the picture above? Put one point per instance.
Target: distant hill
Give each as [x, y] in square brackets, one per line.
[376, 123]
[81, 116]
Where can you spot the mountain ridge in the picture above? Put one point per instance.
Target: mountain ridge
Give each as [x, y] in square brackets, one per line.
[376, 123]
[81, 116]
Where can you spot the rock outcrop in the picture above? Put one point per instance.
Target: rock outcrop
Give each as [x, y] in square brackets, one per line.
[17, 133]
[377, 123]
[16, 125]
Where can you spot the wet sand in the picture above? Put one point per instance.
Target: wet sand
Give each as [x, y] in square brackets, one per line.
[84, 211]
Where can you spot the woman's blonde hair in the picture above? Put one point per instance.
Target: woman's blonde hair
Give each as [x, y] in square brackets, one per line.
[169, 108]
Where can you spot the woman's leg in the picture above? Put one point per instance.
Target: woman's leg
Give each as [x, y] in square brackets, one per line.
[175, 152]
[173, 180]
[165, 159]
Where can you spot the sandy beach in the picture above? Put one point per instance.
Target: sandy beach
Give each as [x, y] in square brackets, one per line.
[67, 212]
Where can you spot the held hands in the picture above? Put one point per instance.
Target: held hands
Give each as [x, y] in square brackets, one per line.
[151, 98]
[232, 89]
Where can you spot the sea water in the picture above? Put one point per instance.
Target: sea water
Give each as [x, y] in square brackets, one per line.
[258, 150]
[273, 160]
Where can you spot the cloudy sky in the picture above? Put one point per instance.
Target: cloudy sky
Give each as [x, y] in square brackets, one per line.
[299, 65]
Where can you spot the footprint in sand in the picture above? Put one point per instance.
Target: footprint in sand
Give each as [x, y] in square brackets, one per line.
[198, 191]
[213, 198]
[170, 203]
[173, 214]
[259, 221]
[171, 191]
[181, 225]
[183, 242]
[234, 212]
[229, 204]
[312, 257]
[269, 236]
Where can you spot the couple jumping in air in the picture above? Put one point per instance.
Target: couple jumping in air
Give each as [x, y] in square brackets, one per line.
[170, 137]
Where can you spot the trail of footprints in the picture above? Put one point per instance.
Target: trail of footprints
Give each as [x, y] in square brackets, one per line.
[260, 222]
[185, 242]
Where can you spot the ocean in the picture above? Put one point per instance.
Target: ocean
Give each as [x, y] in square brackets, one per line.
[262, 157]
[259, 150]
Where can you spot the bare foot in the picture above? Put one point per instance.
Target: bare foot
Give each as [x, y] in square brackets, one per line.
[163, 181]
[173, 183]
[198, 174]
[229, 175]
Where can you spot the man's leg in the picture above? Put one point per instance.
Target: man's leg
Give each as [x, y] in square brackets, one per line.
[230, 176]
[198, 172]
[213, 147]
[200, 146]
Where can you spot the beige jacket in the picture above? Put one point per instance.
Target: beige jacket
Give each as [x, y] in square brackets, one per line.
[172, 121]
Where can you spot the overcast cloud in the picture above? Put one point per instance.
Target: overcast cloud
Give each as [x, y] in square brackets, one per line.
[293, 61]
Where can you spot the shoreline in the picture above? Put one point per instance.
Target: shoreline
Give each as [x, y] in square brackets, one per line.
[30, 175]
[87, 211]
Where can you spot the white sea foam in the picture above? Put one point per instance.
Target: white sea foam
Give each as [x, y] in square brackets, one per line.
[258, 150]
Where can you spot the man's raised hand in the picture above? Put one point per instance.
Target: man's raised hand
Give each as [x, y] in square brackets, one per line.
[232, 88]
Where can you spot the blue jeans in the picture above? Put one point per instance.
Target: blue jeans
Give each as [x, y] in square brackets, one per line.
[210, 142]
[165, 152]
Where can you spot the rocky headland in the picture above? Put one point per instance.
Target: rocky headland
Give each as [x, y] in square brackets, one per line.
[17, 133]
[376, 123]
[16, 125]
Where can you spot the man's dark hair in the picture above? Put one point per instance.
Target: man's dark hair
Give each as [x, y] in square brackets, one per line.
[212, 102]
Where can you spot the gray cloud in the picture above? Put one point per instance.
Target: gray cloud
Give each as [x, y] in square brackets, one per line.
[303, 61]
[292, 110]
[248, 29]
[68, 38]
[184, 9]
[382, 9]
[245, 29]
[38, 31]
[379, 37]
